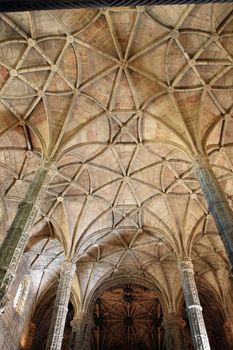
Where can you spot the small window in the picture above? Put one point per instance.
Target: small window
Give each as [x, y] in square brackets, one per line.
[21, 295]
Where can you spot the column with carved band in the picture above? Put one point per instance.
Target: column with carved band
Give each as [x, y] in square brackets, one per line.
[217, 202]
[60, 308]
[194, 309]
[174, 332]
[13, 245]
[82, 326]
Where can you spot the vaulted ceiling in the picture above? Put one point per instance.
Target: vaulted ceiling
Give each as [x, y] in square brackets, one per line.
[121, 99]
[128, 317]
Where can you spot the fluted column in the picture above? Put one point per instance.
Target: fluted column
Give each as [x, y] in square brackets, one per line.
[194, 309]
[60, 309]
[217, 202]
[82, 326]
[174, 332]
[13, 245]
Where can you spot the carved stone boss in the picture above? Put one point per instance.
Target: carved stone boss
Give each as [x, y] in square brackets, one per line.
[194, 309]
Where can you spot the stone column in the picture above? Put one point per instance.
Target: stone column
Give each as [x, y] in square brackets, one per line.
[31, 335]
[174, 332]
[13, 245]
[82, 326]
[60, 308]
[217, 202]
[194, 309]
[228, 332]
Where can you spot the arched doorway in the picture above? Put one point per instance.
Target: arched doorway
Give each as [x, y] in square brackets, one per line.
[127, 317]
[42, 318]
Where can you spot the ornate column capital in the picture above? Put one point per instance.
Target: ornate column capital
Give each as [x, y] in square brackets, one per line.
[186, 265]
[80, 320]
[68, 266]
[200, 161]
[75, 324]
[50, 166]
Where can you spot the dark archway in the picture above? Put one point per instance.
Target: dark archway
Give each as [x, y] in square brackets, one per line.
[42, 318]
[127, 317]
[214, 319]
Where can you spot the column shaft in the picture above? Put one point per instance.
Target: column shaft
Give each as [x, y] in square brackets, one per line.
[13, 245]
[31, 335]
[60, 308]
[217, 202]
[174, 332]
[82, 328]
[228, 332]
[194, 309]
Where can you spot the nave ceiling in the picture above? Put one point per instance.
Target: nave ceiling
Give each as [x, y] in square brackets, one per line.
[121, 100]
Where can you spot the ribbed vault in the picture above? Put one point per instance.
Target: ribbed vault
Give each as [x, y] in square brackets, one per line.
[127, 317]
[121, 100]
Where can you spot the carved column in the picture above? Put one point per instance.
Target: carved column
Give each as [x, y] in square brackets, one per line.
[174, 332]
[217, 202]
[82, 326]
[77, 332]
[60, 308]
[13, 245]
[194, 309]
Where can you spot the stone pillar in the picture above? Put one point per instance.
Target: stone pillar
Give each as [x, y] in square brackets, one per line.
[217, 202]
[13, 245]
[82, 326]
[31, 335]
[194, 309]
[60, 308]
[174, 332]
[228, 332]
